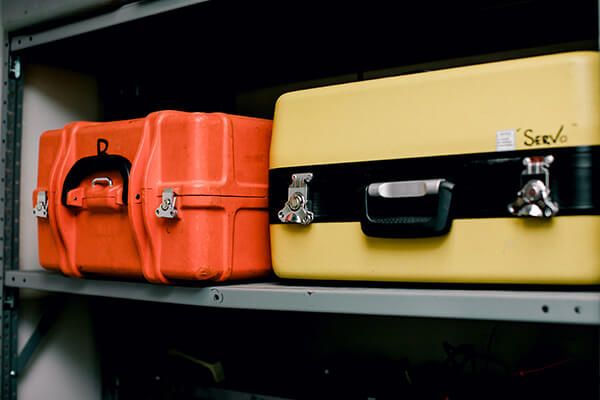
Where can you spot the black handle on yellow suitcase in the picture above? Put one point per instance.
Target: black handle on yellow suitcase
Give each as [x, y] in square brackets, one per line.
[404, 194]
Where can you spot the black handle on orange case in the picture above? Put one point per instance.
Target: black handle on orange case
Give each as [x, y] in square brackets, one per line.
[88, 165]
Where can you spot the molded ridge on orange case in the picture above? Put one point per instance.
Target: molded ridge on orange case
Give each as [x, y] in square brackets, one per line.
[173, 196]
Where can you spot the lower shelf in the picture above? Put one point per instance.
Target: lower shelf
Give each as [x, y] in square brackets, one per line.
[506, 305]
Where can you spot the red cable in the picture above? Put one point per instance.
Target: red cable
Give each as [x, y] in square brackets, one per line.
[555, 364]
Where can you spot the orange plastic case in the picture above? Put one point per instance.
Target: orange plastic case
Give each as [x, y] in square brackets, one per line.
[105, 185]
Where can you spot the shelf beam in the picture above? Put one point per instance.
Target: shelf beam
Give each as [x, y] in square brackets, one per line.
[513, 305]
[126, 13]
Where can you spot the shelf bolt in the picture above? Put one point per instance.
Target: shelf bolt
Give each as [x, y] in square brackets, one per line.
[216, 296]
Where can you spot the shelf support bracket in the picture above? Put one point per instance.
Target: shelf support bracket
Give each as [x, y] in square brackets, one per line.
[41, 330]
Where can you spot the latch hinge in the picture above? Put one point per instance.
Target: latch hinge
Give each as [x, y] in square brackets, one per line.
[533, 200]
[296, 210]
[15, 67]
[9, 302]
[41, 207]
[167, 209]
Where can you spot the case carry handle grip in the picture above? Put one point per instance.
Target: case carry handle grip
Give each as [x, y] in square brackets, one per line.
[89, 165]
[409, 226]
[103, 180]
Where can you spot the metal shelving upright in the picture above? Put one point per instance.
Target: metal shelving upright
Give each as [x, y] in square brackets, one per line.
[10, 148]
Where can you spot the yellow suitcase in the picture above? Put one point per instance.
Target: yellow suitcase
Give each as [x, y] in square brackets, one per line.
[477, 174]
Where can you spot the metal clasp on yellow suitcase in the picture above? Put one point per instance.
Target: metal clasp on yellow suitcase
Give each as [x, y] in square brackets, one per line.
[407, 209]
[296, 208]
[533, 200]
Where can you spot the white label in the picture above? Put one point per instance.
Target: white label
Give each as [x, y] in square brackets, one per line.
[505, 140]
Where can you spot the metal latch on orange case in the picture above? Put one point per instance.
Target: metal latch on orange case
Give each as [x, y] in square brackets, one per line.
[41, 207]
[167, 209]
[296, 210]
[533, 200]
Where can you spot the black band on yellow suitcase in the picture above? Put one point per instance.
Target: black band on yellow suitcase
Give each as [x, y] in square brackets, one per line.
[483, 186]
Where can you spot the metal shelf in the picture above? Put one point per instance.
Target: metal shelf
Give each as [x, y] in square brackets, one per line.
[509, 305]
[126, 13]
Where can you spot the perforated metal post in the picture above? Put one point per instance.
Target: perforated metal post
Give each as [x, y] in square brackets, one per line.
[10, 154]
[5, 316]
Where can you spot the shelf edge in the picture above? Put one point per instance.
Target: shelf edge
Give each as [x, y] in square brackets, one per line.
[126, 13]
[524, 306]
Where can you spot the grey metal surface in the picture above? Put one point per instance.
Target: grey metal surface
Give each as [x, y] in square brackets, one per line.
[4, 372]
[10, 154]
[128, 12]
[533, 306]
[17, 14]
